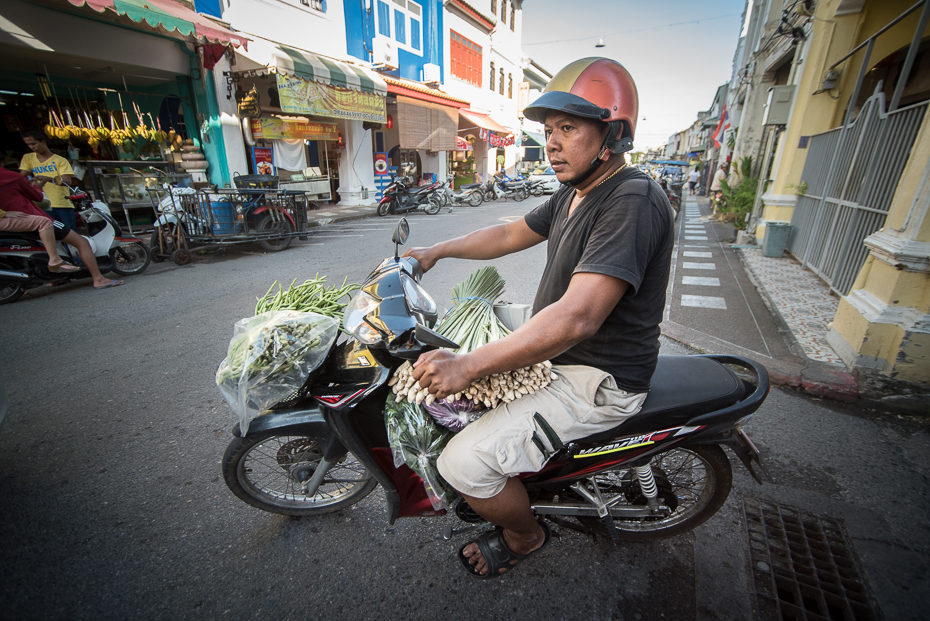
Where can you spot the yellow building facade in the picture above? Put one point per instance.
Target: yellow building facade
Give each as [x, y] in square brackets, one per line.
[882, 327]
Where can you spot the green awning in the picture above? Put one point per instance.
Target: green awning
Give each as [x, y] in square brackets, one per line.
[328, 71]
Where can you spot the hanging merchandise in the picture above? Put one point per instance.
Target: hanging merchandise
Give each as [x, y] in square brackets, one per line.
[290, 155]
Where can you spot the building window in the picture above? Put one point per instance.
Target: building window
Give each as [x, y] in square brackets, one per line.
[384, 19]
[494, 6]
[319, 5]
[510, 85]
[466, 58]
[405, 21]
[491, 80]
[504, 11]
[513, 15]
[502, 81]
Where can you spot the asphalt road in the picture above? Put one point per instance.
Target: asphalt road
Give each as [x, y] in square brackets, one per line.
[112, 505]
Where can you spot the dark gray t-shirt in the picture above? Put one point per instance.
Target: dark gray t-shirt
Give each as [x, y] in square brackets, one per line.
[623, 228]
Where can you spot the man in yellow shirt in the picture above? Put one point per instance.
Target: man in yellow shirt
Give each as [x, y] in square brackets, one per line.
[43, 166]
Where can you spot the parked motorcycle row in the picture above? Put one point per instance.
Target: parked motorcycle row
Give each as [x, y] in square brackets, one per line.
[24, 261]
[400, 198]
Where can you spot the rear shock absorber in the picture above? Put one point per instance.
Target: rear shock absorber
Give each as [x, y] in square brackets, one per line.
[647, 484]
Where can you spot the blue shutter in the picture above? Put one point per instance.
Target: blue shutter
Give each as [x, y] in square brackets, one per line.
[400, 26]
[384, 19]
[415, 34]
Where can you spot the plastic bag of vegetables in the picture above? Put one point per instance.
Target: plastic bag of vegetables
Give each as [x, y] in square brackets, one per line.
[270, 356]
[416, 440]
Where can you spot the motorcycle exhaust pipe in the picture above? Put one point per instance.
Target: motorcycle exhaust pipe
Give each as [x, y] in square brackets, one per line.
[14, 277]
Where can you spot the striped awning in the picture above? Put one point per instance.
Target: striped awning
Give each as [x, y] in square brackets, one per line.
[164, 16]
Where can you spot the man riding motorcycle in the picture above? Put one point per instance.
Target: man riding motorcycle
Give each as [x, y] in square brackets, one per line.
[596, 314]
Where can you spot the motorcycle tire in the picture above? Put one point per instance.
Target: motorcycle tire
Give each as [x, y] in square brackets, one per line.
[475, 199]
[489, 195]
[696, 480]
[520, 194]
[538, 191]
[435, 205]
[269, 224]
[266, 471]
[384, 208]
[130, 259]
[9, 293]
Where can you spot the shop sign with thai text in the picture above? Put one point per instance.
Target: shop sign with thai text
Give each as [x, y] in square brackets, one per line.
[497, 141]
[309, 97]
[278, 129]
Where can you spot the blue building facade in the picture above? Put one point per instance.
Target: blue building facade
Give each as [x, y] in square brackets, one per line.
[414, 26]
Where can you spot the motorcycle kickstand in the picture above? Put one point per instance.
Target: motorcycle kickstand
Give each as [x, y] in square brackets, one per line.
[594, 497]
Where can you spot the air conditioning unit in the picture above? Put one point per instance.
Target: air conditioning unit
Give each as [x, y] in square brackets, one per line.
[384, 53]
[432, 73]
[778, 106]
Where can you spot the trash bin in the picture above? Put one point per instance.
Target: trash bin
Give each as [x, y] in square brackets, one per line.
[776, 238]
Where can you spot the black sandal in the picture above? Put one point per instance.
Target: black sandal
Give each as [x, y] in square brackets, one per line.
[496, 554]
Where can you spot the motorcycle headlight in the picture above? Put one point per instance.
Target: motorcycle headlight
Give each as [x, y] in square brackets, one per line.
[354, 316]
[418, 300]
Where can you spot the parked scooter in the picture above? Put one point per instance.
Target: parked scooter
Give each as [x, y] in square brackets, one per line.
[399, 198]
[24, 261]
[500, 186]
[673, 192]
[661, 472]
[470, 193]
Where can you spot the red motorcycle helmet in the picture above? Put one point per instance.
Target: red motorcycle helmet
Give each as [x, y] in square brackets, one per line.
[593, 88]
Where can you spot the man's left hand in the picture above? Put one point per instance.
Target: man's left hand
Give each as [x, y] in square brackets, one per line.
[442, 373]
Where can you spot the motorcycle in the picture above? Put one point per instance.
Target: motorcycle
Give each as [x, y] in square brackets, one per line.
[399, 198]
[673, 192]
[499, 187]
[24, 261]
[660, 473]
[470, 193]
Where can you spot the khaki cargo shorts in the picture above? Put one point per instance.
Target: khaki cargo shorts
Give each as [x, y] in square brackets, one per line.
[522, 435]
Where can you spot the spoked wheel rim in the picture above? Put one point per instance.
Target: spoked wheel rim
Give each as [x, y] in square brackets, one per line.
[691, 483]
[277, 469]
[129, 259]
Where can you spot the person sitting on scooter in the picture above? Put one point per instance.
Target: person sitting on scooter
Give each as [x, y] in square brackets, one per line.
[596, 315]
[43, 166]
[17, 197]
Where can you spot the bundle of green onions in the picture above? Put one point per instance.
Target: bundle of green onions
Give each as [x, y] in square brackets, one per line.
[472, 323]
[310, 297]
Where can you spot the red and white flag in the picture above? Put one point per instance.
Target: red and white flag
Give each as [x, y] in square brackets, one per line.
[722, 127]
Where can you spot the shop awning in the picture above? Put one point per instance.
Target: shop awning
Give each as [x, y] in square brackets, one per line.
[533, 137]
[415, 90]
[267, 56]
[166, 16]
[484, 121]
[328, 71]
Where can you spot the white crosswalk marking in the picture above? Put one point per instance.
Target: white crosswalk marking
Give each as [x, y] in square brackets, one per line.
[703, 301]
[697, 255]
[701, 281]
[695, 238]
[698, 266]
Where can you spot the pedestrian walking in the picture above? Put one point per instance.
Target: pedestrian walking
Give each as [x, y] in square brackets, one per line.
[693, 178]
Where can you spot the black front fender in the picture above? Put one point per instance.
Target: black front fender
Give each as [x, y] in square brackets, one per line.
[299, 422]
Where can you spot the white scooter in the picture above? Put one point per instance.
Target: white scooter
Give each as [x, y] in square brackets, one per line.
[24, 262]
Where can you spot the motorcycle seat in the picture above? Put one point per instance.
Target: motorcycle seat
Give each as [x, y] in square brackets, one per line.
[19, 237]
[470, 186]
[682, 388]
[513, 184]
[425, 188]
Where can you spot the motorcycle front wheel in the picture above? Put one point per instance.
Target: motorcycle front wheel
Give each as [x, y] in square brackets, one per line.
[130, 259]
[270, 471]
[384, 208]
[693, 482]
[475, 199]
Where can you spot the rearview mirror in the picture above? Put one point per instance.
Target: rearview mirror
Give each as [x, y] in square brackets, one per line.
[401, 233]
[58, 180]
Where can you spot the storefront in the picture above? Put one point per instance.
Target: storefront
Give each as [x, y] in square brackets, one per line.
[488, 139]
[422, 131]
[534, 152]
[117, 88]
[306, 117]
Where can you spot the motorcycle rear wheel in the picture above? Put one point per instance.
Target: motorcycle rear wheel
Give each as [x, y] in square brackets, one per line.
[9, 293]
[696, 480]
[130, 259]
[475, 199]
[268, 471]
[520, 194]
[272, 224]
